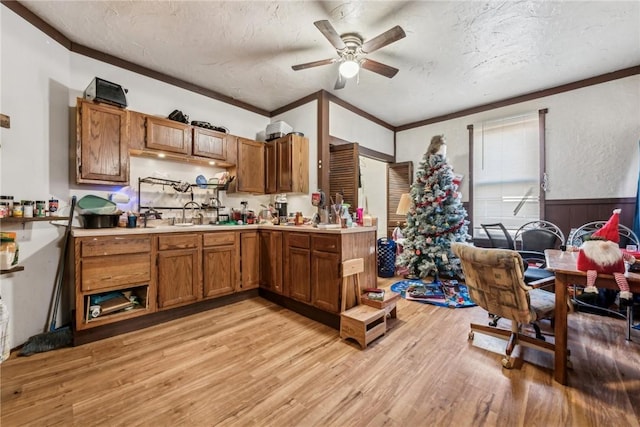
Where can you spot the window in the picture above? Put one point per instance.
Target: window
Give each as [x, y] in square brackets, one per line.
[506, 171]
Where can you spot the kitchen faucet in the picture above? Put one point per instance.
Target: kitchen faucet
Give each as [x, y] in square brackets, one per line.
[190, 203]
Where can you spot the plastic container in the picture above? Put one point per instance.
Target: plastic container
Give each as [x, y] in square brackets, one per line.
[9, 201]
[17, 210]
[40, 209]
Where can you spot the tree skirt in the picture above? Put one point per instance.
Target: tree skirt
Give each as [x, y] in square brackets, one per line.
[446, 293]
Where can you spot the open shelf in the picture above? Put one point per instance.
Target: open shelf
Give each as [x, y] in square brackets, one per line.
[141, 292]
[12, 269]
[23, 220]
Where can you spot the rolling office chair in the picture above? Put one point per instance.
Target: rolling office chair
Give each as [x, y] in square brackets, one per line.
[498, 235]
[627, 237]
[531, 240]
[495, 280]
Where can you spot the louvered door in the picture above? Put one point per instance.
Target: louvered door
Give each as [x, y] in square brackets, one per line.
[344, 172]
[399, 180]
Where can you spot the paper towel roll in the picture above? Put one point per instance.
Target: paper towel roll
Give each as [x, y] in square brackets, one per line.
[119, 198]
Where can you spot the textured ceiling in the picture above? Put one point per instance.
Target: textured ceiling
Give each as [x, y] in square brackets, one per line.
[456, 55]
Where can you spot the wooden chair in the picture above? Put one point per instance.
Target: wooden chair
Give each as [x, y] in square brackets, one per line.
[361, 322]
[495, 280]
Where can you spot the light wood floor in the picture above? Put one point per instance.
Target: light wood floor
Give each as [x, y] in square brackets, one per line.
[254, 363]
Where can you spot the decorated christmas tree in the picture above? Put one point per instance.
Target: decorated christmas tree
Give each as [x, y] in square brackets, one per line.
[436, 218]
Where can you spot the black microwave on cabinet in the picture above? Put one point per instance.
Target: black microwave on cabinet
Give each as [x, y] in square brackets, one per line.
[101, 90]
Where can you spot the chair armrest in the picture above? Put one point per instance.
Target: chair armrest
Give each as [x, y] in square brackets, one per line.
[543, 283]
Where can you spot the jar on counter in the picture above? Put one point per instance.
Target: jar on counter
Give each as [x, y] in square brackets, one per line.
[27, 209]
[9, 201]
[41, 209]
[4, 209]
[17, 209]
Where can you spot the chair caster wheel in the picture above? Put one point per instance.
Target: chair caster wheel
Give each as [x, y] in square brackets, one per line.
[507, 362]
[470, 336]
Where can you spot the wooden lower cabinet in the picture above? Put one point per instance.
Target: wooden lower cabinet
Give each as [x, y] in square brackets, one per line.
[179, 261]
[271, 261]
[325, 280]
[105, 266]
[220, 264]
[166, 270]
[249, 260]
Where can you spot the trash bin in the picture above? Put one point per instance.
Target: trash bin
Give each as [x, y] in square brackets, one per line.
[386, 257]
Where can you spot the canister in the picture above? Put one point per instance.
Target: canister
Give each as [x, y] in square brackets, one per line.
[53, 206]
[4, 209]
[41, 208]
[9, 201]
[27, 208]
[17, 209]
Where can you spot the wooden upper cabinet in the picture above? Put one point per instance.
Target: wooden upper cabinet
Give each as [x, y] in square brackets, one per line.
[250, 166]
[209, 143]
[288, 167]
[137, 130]
[270, 171]
[102, 155]
[168, 135]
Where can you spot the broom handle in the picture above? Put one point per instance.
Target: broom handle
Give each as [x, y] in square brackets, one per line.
[58, 290]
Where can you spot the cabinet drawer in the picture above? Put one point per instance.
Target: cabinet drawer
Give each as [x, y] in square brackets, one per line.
[326, 243]
[100, 246]
[298, 240]
[115, 270]
[218, 239]
[178, 241]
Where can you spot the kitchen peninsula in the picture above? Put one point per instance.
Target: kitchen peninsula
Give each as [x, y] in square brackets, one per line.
[166, 272]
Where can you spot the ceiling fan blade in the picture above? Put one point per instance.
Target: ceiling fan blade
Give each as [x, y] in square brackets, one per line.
[313, 64]
[377, 67]
[330, 33]
[340, 83]
[388, 37]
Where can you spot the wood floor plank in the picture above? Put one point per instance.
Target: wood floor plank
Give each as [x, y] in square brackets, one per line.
[254, 363]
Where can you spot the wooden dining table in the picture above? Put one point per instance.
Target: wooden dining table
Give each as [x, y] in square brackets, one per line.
[563, 264]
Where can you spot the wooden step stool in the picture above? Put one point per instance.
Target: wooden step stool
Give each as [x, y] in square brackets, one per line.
[362, 322]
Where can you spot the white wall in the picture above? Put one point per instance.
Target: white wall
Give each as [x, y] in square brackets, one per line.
[373, 175]
[347, 125]
[592, 139]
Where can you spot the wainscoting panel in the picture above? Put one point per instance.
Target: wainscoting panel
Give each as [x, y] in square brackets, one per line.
[568, 214]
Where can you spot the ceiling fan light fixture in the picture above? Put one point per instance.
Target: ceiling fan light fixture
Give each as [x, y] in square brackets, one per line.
[349, 68]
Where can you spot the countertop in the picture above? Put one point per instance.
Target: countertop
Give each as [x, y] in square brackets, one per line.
[159, 229]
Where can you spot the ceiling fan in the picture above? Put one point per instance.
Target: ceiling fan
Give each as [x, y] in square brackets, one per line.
[352, 52]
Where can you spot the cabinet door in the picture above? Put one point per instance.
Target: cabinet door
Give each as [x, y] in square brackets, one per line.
[284, 165]
[209, 143]
[250, 166]
[271, 261]
[299, 274]
[219, 270]
[102, 150]
[178, 277]
[168, 135]
[292, 165]
[270, 169]
[249, 260]
[137, 131]
[326, 281]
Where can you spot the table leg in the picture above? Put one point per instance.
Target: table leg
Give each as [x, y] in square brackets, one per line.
[560, 362]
